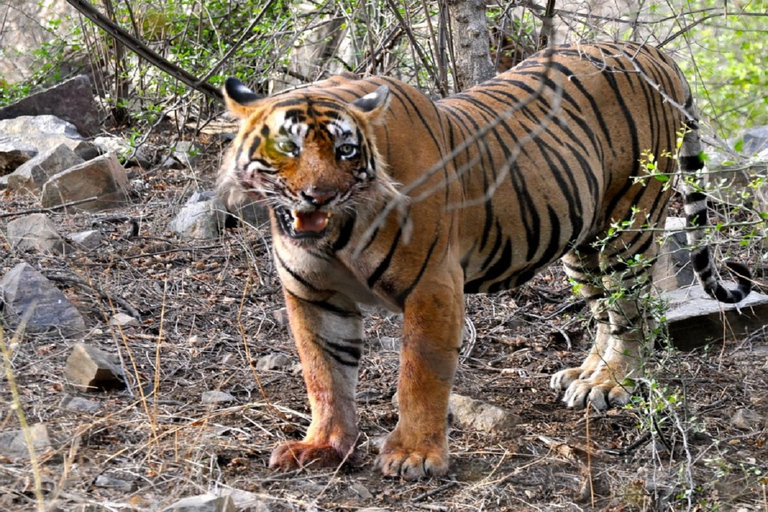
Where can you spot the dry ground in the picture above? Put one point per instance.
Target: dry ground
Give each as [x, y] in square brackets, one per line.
[208, 313]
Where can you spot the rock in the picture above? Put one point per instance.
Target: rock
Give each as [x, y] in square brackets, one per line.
[203, 503]
[217, 397]
[247, 501]
[33, 174]
[202, 217]
[694, 319]
[77, 404]
[745, 419]
[90, 239]
[755, 140]
[187, 152]
[390, 343]
[472, 414]
[272, 362]
[108, 482]
[13, 153]
[123, 320]
[71, 101]
[143, 156]
[91, 369]
[13, 444]
[102, 178]
[37, 233]
[361, 491]
[673, 267]
[28, 296]
[281, 316]
[44, 133]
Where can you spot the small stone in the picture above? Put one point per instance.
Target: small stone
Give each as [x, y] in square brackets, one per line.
[201, 218]
[36, 233]
[746, 419]
[281, 316]
[90, 239]
[203, 503]
[91, 369]
[13, 444]
[272, 362]
[390, 343]
[360, 490]
[14, 153]
[108, 482]
[78, 404]
[123, 320]
[472, 414]
[217, 397]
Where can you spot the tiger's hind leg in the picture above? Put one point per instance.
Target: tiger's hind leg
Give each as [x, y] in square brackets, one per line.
[616, 286]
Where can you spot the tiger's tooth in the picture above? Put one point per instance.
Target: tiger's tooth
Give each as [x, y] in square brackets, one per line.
[296, 221]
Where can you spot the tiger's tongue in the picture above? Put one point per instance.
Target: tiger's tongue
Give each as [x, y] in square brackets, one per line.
[310, 221]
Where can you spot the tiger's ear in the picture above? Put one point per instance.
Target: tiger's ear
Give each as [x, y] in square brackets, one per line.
[239, 99]
[374, 105]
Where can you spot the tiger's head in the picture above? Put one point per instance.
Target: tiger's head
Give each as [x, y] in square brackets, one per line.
[309, 155]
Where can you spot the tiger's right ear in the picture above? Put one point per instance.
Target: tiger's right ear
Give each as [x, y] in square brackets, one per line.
[239, 99]
[375, 104]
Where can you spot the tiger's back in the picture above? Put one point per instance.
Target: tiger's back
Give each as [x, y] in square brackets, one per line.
[380, 195]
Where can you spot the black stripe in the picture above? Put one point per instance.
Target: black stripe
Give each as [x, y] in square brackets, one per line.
[384, 265]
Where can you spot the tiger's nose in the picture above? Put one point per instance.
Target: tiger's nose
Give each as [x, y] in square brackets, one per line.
[318, 196]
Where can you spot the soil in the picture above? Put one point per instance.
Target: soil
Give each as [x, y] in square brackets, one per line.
[210, 310]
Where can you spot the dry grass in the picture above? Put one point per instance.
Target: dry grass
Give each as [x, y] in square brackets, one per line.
[208, 314]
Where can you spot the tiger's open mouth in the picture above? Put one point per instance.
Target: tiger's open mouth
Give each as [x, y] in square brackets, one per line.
[298, 224]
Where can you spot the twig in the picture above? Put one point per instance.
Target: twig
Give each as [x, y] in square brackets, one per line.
[438, 490]
[104, 295]
[48, 210]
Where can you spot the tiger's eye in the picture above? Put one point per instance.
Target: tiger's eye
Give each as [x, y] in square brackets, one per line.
[347, 150]
[287, 146]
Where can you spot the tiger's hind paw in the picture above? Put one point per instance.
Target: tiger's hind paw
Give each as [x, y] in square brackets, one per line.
[300, 454]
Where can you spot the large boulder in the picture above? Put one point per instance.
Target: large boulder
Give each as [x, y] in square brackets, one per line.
[102, 179]
[71, 101]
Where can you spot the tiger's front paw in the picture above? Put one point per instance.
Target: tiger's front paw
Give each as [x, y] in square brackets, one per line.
[600, 390]
[299, 454]
[399, 458]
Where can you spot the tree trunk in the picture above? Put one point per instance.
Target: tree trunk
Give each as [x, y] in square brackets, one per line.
[471, 45]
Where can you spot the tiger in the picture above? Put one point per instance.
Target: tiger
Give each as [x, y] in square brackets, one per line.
[381, 196]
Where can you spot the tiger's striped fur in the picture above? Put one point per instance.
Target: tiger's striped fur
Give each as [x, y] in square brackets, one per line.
[381, 196]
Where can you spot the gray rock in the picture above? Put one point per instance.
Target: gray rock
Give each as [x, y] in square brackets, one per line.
[694, 319]
[755, 139]
[13, 444]
[217, 397]
[78, 404]
[272, 362]
[203, 503]
[91, 369]
[472, 414]
[673, 267]
[143, 156]
[33, 174]
[13, 153]
[71, 100]
[281, 316]
[37, 233]
[90, 239]
[109, 482]
[200, 218]
[38, 126]
[123, 320]
[102, 178]
[187, 152]
[27, 295]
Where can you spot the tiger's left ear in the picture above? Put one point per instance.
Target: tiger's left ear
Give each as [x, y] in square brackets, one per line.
[238, 98]
[374, 105]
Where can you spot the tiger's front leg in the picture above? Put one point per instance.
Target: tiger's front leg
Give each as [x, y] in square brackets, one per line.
[329, 338]
[418, 446]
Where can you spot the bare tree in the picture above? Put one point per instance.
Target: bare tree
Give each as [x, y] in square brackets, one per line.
[471, 45]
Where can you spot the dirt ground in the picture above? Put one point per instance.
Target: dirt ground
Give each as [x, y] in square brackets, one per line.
[211, 309]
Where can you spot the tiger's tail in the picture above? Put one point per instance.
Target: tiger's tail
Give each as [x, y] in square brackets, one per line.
[691, 163]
